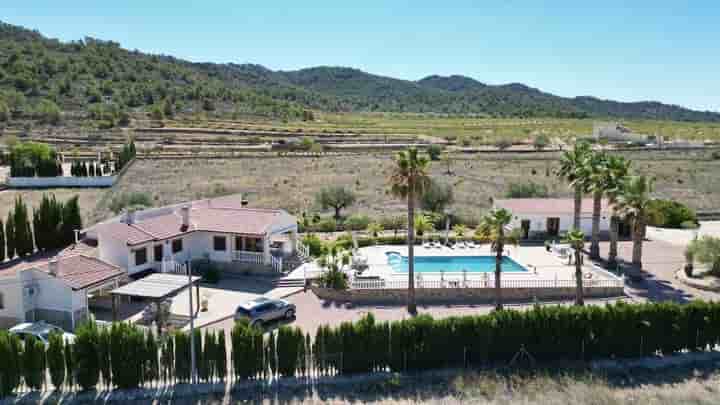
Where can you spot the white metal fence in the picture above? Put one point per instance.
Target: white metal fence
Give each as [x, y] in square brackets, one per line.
[248, 257]
[485, 283]
[303, 249]
[276, 263]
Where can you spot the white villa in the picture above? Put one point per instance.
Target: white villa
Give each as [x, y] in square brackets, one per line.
[221, 229]
[55, 290]
[551, 217]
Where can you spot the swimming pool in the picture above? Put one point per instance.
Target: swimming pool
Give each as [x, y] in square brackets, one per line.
[437, 264]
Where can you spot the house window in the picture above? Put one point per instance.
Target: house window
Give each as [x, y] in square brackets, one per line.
[158, 253]
[219, 243]
[140, 256]
[2, 301]
[177, 245]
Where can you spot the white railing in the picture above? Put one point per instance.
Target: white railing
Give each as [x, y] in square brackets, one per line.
[61, 181]
[171, 266]
[303, 249]
[276, 263]
[247, 257]
[485, 283]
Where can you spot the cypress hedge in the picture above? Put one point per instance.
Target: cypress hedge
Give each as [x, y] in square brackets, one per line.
[33, 363]
[11, 364]
[127, 354]
[56, 360]
[87, 358]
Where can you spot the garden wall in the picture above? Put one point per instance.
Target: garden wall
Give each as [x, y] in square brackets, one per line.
[394, 296]
[61, 182]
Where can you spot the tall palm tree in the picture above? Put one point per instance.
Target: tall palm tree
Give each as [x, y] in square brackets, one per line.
[597, 176]
[408, 180]
[634, 204]
[493, 224]
[576, 239]
[573, 169]
[616, 173]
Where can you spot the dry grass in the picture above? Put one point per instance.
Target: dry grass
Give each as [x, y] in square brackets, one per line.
[88, 199]
[292, 182]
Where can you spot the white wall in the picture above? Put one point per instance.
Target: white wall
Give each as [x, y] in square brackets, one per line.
[112, 250]
[11, 289]
[538, 223]
[52, 293]
[64, 181]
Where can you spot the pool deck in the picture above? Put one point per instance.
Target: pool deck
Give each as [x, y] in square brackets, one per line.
[541, 264]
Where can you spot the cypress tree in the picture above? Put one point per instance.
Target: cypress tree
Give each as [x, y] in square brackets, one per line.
[199, 362]
[70, 364]
[2, 241]
[151, 351]
[56, 360]
[71, 220]
[10, 236]
[33, 363]
[167, 360]
[11, 364]
[221, 356]
[86, 355]
[91, 169]
[23, 238]
[104, 356]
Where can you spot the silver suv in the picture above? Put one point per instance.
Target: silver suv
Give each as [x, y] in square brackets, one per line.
[262, 310]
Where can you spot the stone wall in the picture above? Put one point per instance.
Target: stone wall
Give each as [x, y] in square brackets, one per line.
[460, 295]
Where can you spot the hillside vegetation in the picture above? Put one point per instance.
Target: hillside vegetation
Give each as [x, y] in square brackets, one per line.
[49, 81]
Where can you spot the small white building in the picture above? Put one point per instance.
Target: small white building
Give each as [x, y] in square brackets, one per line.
[220, 229]
[551, 217]
[55, 290]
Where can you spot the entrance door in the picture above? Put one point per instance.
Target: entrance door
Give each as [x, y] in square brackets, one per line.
[525, 228]
[553, 226]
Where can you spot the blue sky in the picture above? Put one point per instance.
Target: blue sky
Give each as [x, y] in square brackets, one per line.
[623, 50]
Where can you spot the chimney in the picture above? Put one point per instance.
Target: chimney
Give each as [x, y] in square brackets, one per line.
[185, 214]
[53, 267]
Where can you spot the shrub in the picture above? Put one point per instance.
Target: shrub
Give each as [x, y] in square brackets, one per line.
[357, 222]
[527, 190]
[672, 214]
[130, 200]
[434, 151]
[541, 142]
[333, 278]
[314, 244]
[11, 364]
[211, 274]
[436, 196]
[33, 363]
[327, 225]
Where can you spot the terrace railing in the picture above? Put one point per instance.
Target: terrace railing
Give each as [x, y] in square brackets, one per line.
[485, 283]
[276, 263]
[247, 257]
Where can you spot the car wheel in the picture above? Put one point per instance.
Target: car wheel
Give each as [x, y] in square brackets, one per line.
[289, 314]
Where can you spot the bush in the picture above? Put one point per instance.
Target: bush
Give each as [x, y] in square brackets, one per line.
[436, 197]
[130, 200]
[672, 214]
[541, 142]
[333, 278]
[314, 244]
[356, 222]
[527, 190]
[327, 225]
[434, 151]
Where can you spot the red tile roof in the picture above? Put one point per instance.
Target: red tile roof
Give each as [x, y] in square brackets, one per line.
[549, 206]
[80, 271]
[224, 214]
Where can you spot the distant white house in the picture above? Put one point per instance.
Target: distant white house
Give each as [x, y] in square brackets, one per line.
[552, 217]
[220, 229]
[55, 290]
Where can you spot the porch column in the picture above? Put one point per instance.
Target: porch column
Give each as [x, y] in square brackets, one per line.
[293, 241]
[266, 248]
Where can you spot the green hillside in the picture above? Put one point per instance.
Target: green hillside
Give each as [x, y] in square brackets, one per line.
[50, 81]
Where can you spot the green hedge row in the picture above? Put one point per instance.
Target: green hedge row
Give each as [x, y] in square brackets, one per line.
[125, 357]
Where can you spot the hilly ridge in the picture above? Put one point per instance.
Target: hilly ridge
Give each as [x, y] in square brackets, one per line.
[104, 81]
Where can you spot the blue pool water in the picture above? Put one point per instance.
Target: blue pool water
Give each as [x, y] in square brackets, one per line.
[436, 264]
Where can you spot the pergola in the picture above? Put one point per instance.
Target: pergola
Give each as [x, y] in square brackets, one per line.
[156, 287]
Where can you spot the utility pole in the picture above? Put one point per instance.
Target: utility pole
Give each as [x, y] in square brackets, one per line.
[193, 375]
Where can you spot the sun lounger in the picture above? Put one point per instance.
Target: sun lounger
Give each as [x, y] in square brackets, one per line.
[461, 245]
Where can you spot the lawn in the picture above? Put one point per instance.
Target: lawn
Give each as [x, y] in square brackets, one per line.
[293, 182]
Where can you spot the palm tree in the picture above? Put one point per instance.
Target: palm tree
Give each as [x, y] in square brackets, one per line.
[634, 204]
[423, 225]
[596, 166]
[460, 230]
[576, 239]
[408, 180]
[617, 170]
[573, 170]
[493, 224]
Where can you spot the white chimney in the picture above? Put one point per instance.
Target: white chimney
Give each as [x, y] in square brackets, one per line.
[53, 267]
[185, 214]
